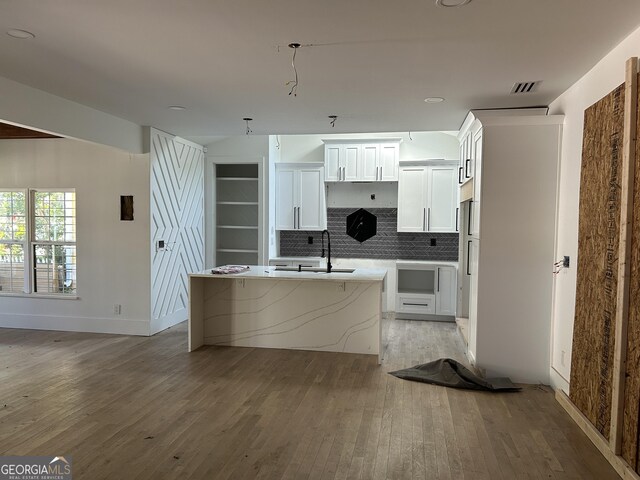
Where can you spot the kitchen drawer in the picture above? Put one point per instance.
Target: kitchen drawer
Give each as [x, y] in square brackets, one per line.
[416, 304]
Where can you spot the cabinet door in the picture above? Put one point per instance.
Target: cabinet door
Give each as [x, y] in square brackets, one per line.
[332, 162]
[370, 161]
[412, 199]
[389, 157]
[311, 207]
[474, 250]
[468, 163]
[477, 184]
[285, 198]
[446, 291]
[443, 199]
[351, 163]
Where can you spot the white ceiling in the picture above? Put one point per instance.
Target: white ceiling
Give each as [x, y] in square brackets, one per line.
[375, 63]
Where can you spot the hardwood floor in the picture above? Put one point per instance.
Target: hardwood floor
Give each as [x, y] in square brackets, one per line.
[144, 408]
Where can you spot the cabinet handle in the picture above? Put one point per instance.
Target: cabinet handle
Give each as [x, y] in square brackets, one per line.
[438, 279]
[298, 218]
[460, 169]
[294, 218]
[470, 215]
[467, 162]
[416, 304]
[428, 219]
[344, 173]
[380, 173]
[468, 256]
[457, 218]
[424, 218]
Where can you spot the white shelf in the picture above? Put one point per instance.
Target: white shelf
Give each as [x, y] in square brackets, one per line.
[239, 227]
[236, 250]
[237, 203]
[237, 179]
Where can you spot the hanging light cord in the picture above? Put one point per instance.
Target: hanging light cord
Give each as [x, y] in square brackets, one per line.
[294, 83]
[247, 120]
[333, 120]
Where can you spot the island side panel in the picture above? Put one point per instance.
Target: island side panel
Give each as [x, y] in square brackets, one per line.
[196, 313]
[295, 314]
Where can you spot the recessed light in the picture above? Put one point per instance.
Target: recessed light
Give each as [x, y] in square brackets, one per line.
[434, 100]
[22, 34]
[451, 3]
[177, 108]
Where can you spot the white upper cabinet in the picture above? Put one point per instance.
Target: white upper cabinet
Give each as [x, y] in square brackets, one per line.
[427, 198]
[477, 184]
[332, 165]
[362, 161]
[443, 199]
[412, 199]
[352, 163]
[370, 162]
[300, 200]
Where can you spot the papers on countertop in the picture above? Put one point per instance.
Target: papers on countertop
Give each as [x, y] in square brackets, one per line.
[226, 269]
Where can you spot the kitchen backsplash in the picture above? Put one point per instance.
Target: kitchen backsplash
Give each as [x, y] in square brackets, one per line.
[386, 244]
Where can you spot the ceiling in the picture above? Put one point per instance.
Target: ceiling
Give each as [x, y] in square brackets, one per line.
[374, 63]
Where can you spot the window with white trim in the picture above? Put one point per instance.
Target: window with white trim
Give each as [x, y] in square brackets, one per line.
[38, 242]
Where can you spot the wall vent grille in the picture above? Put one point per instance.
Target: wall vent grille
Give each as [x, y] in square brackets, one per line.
[525, 87]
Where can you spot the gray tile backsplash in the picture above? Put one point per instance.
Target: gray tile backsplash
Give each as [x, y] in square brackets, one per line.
[387, 244]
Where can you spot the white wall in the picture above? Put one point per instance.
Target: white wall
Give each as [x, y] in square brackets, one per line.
[421, 145]
[604, 77]
[177, 217]
[113, 256]
[40, 110]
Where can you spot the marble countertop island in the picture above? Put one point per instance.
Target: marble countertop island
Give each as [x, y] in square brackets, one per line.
[269, 308]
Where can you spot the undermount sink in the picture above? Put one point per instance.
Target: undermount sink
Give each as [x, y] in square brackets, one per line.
[314, 270]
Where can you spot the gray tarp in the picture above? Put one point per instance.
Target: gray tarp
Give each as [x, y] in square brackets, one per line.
[449, 373]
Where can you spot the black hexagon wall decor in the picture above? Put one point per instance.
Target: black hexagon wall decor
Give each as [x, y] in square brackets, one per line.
[362, 225]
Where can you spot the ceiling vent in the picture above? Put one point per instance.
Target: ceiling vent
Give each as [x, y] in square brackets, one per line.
[525, 87]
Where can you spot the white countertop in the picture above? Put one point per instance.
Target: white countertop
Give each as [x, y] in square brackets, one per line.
[266, 272]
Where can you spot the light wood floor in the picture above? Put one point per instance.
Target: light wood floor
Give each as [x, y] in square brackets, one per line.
[143, 408]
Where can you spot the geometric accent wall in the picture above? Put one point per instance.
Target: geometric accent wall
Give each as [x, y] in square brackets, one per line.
[177, 218]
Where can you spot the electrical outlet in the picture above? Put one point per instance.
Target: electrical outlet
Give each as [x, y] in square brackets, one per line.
[433, 242]
[341, 287]
[117, 309]
[566, 261]
[160, 245]
[310, 240]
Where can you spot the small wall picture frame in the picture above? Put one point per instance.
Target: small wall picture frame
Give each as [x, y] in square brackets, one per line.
[126, 208]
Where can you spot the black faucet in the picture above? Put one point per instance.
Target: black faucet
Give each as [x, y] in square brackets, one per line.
[329, 249]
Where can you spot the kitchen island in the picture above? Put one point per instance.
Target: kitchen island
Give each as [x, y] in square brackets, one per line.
[273, 308]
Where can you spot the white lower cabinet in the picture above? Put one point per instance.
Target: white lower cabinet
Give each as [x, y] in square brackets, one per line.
[416, 304]
[446, 291]
[425, 288]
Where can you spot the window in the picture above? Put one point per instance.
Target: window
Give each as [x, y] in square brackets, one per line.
[13, 235]
[44, 224]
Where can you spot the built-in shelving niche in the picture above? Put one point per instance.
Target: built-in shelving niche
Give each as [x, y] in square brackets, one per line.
[237, 206]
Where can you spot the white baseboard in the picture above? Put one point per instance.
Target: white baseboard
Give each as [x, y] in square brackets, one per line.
[75, 324]
[159, 324]
[558, 382]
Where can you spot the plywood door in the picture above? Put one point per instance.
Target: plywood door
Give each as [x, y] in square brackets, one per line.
[598, 241]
